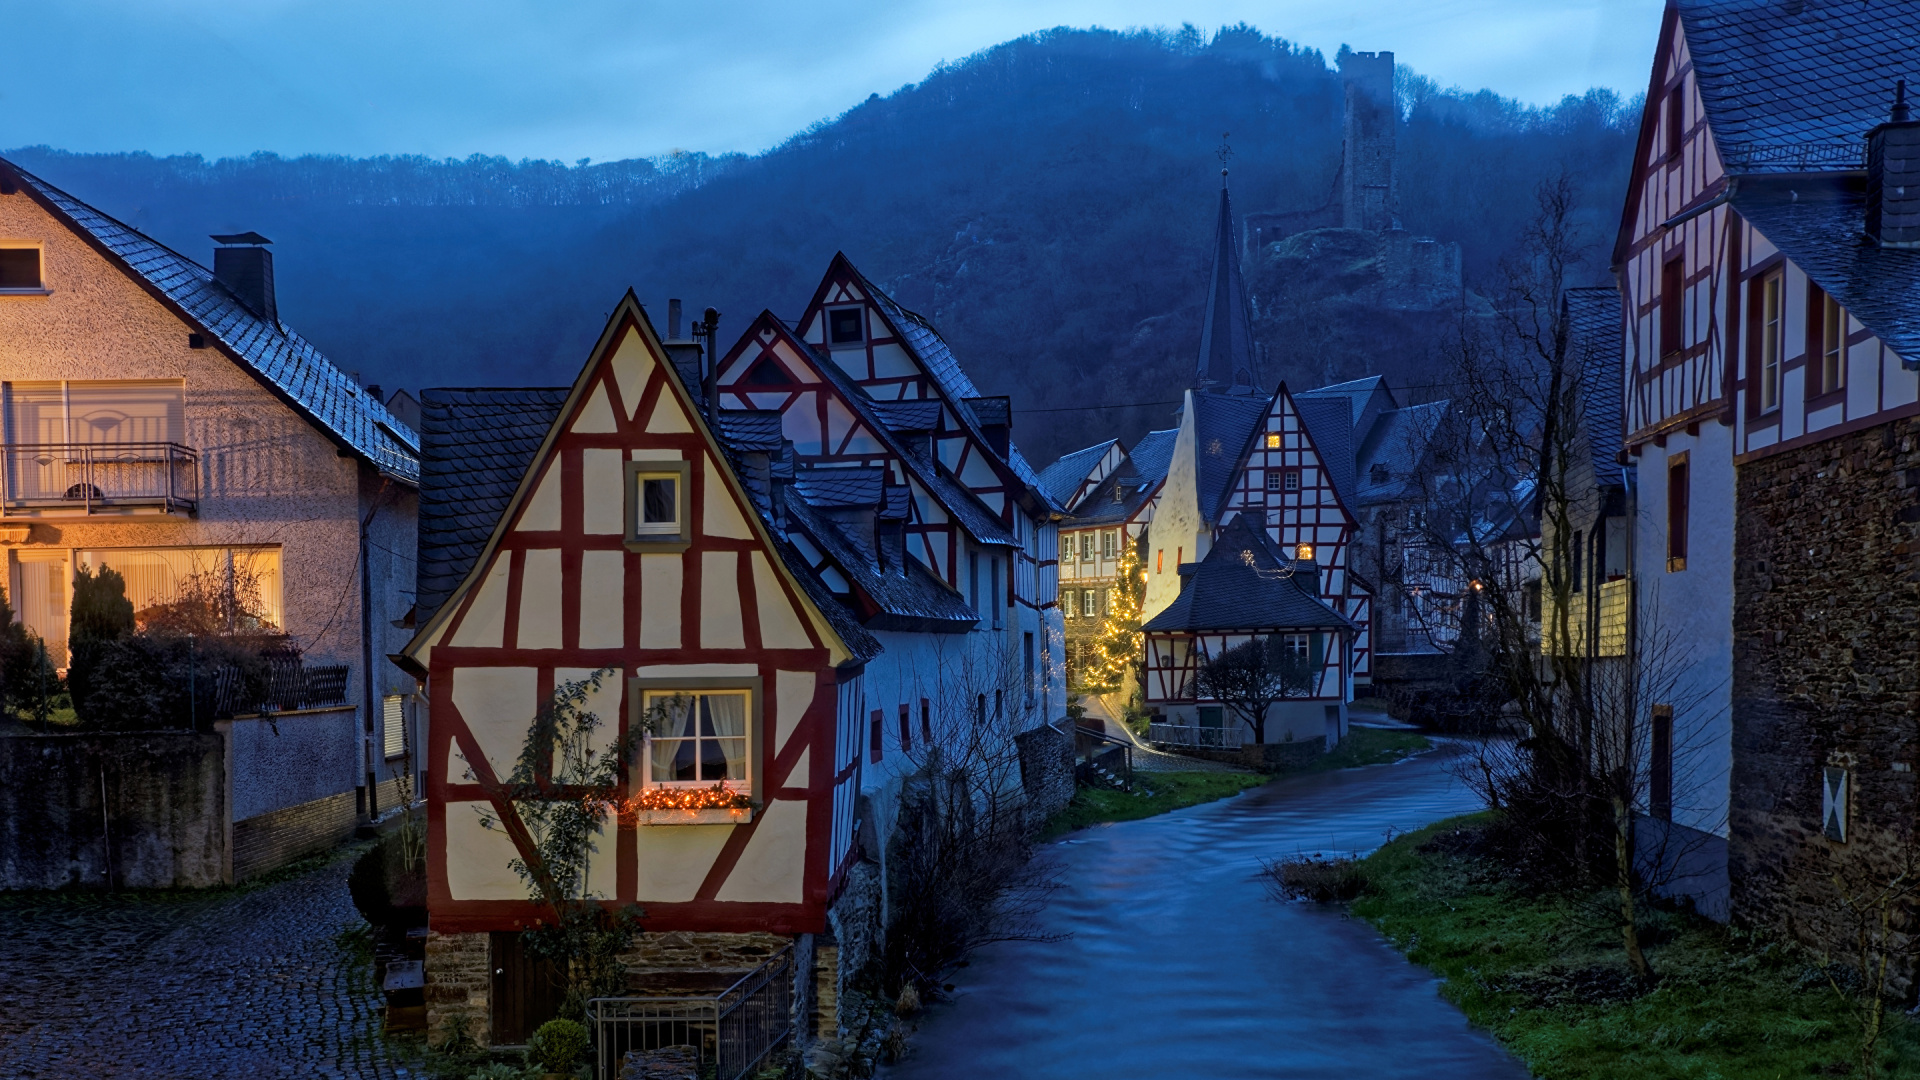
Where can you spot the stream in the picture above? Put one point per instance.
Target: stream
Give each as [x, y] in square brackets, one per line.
[1180, 965]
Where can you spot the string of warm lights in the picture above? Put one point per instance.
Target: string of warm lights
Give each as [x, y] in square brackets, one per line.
[720, 796]
[1117, 648]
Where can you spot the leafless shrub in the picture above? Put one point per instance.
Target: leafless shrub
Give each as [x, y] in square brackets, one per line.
[1322, 879]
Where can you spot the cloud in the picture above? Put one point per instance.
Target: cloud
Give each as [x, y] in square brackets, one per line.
[608, 79]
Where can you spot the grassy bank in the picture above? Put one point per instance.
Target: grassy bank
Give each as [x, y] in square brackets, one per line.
[1157, 793]
[1545, 974]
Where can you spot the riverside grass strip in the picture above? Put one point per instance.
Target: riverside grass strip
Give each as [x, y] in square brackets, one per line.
[1546, 976]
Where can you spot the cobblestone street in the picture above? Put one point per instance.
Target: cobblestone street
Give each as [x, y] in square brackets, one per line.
[254, 982]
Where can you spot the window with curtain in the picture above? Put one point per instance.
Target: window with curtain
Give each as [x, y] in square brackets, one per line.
[238, 589]
[702, 740]
[96, 412]
[40, 598]
[393, 725]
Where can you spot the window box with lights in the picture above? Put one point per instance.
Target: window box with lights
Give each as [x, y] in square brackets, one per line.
[696, 757]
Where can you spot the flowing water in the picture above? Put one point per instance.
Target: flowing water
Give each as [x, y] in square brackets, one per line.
[1180, 965]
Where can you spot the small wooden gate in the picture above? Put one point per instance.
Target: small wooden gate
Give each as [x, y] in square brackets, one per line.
[527, 991]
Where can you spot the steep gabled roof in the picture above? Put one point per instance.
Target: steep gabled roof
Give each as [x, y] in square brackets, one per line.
[1153, 455]
[953, 496]
[1330, 423]
[1367, 398]
[1222, 426]
[937, 360]
[1226, 329]
[283, 361]
[476, 445]
[1246, 583]
[1063, 478]
[901, 593]
[1399, 443]
[1820, 226]
[1793, 85]
[1597, 342]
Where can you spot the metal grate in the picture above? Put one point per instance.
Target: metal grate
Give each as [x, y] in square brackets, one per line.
[290, 685]
[730, 1033]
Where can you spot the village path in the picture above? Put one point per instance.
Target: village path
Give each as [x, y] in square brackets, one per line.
[230, 983]
[1180, 965]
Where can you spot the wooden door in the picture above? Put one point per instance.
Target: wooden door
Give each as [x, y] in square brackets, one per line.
[527, 990]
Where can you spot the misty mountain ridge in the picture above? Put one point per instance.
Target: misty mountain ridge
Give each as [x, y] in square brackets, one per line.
[1047, 202]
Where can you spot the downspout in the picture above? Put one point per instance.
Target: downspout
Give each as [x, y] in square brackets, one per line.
[366, 653]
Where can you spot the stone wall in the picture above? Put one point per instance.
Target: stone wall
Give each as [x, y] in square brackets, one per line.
[137, 810]
[458, 983]
[293, 758]
[1046, 771]
[270, 841]
[1826, 591]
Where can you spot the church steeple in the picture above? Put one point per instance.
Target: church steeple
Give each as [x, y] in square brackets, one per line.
[1226, 333]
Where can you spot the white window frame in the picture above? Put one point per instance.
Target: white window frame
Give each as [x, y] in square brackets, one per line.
[658, 536]
[641, 692]
[1773, 311]
[1291, 480]
[41, 250]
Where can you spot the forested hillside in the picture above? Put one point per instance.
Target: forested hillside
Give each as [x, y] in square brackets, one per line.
[1048, 202]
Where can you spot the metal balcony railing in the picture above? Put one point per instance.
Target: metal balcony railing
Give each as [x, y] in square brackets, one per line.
[726, 1036]
[1226, 737]
[92, 477]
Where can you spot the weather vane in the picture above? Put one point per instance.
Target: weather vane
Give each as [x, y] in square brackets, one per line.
[1225, 153]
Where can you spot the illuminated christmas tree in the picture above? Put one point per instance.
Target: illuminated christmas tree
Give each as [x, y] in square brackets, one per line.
[1114, 654]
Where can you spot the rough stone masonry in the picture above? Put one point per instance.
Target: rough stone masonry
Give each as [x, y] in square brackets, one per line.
[1826, 679]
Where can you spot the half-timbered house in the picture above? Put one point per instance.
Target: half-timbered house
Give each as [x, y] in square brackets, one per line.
[1770, 392]
[1109, 492]
[1250, 589]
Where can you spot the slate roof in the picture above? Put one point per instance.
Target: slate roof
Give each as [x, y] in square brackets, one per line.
[1222, 424]
[1062, 478]
[921, 415]
[1399, 440]
[1597, 338]
[756, 430]
[1793, 85]
[284, 361]
[476, 445]
[1246, 583]
[829, 487]
[1330, 422]
[1152, 456]
[1820, 226]
[940, 364]
[1226, 328]
[902, 595]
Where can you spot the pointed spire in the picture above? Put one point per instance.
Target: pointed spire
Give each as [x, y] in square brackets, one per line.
[1226, 332]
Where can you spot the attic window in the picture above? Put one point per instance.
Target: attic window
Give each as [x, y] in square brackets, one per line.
[656, 498]
[1290, 480]
[843, 326]
[20, 269]
[1379, 474]
[1273, 442]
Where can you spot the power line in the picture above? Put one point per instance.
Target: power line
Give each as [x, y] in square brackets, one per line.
[1403, 387]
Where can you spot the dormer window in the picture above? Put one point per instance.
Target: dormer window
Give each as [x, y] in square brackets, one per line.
[1379, 474]
[843, 326]
[20, 270]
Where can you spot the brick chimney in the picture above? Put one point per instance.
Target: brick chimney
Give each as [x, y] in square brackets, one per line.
[1893, 177]
[243, 264]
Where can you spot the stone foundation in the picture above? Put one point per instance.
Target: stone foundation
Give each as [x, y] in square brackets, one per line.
[1826, 591]
[459, 978]
[1046, 771]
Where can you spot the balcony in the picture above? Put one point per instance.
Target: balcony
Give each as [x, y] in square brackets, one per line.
[63, 479]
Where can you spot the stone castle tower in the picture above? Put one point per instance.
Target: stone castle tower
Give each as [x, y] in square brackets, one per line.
[1367, 195]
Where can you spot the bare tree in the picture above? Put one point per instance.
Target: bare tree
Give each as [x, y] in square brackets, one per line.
[1253, 676]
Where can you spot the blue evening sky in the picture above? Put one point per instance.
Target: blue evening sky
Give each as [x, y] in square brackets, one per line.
[609, 79]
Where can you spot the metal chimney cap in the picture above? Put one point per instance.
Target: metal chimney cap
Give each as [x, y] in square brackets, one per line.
[239, 238]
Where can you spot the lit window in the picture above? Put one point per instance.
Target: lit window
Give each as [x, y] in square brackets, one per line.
[197, 590]
[1086, 547]
[656, 502]
[844, 324]
[1089, 603]
[20, 269]
[700, 737]
[1303, 552]
[1770, 342]
[1067, 603]
[1273, 441]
